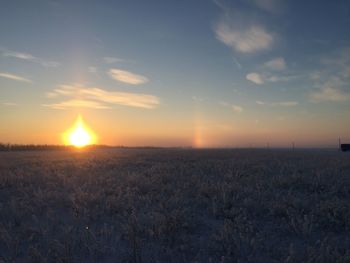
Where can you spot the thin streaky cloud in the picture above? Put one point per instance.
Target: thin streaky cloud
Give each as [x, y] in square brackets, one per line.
[103, 97]
[260, 79]
[75, 103]
[239, 65]
[220, 4]
[127, 77]
[111, 60]
[279, 103]
[10, 104]
[272, 6]
[286, 103]
[14, 77]
[18, 55]
[29, 57]
[49, 64]
[233, 107]
[330, 94]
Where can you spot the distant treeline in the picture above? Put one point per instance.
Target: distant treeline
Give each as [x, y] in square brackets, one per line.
[41, 147]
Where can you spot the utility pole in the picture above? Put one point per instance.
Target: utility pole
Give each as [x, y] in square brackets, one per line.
[339, 142]
[293, 146]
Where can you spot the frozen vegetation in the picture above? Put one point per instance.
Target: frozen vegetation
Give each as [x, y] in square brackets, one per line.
[172, 205]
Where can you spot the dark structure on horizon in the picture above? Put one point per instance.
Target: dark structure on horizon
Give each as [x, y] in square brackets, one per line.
[345, 147]
[43, 147]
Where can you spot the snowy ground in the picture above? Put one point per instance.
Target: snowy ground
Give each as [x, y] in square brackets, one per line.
[168, 205]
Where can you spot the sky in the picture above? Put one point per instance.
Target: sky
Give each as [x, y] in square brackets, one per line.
[201, 73]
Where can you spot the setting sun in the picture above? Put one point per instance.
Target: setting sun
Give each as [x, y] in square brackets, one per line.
[79, 135]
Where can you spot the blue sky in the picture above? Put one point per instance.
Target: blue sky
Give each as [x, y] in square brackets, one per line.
[201, 73]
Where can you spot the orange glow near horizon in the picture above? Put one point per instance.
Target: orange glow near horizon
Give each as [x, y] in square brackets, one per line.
[79, 135]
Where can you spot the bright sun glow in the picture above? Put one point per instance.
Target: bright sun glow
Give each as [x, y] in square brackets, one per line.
[80, 135]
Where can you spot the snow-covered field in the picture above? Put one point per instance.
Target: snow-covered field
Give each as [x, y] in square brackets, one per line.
[172, 205]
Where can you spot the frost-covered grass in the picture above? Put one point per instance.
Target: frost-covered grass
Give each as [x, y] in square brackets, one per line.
[175, 206]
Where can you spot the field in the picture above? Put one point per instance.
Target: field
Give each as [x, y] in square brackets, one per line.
[173, 205]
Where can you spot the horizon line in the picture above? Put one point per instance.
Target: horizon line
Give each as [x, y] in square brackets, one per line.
[291, 147]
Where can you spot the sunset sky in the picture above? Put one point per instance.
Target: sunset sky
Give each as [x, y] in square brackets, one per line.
[199, 73]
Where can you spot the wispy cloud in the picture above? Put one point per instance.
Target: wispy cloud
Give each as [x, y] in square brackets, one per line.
[75, 103]
[197, 99]
[276, 64]
[9, 104]
[285, 103]
[270, 72]
[111, 60]
[14, 77]
[275, 78]
[97, 98]
[272, 6]
[339, 58]
[236, 108]
[253, 39]
[331, 82]
[127, 77]
[233, 107]
[29, 57]
[241, 29]
[329, 94]
[259, 102]
[337, 64]
[260, 79]
[18, 55]
[239, 65]
[280, 103]
[92, 69]
[315, 75]
[273, 70]
[255, 78]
